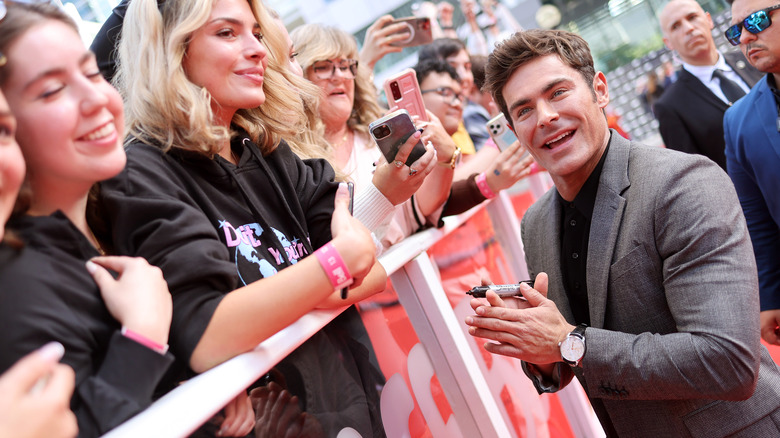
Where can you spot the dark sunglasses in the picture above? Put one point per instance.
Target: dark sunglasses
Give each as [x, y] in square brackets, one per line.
[756, 22]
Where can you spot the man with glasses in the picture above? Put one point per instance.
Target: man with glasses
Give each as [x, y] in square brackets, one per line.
[690, 112]
[752, 132]
[441, 92]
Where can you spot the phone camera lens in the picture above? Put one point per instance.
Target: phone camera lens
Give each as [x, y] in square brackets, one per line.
[396, 90]
[381, 132]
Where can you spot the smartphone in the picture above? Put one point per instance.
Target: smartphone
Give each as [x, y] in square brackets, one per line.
[391, 132]
[403, 91]
[503, 290]
[351, 189]
[499, 131]
[418, 28]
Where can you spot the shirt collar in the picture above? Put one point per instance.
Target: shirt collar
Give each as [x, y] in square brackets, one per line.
[704, 72]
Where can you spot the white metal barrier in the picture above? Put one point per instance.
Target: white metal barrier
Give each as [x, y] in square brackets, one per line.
[475, 410]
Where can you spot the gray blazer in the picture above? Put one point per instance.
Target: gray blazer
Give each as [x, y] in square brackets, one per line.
[674, 347]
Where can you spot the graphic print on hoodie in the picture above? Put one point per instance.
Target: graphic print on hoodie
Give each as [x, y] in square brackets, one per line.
[250, 254]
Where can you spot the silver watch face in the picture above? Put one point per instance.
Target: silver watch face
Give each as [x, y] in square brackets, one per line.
[572, 348]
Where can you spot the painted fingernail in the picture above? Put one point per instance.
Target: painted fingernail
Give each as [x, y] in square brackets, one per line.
[91, 266]
[52, 351]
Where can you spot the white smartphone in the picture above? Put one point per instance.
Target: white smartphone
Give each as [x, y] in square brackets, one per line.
[499, 131]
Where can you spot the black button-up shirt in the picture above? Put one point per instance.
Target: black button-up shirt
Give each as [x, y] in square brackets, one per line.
[575, 231]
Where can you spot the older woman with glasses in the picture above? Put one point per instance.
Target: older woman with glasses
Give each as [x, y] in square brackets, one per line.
[348, 103]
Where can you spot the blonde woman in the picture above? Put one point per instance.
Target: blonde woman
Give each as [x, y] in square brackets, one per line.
[348, 103]
[213, 196]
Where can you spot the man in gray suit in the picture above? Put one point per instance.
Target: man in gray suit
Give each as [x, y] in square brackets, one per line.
[646, 286]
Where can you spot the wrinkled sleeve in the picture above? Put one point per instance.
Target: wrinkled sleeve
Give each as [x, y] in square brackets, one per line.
[122, 386]
[152, 216]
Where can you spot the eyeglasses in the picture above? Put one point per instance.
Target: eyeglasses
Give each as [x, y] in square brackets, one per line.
[327, 68]
[446, 93]
[4, 10]
[756, 22]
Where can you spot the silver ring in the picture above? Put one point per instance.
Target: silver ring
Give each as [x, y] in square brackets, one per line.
[398, 164]
[412, 171]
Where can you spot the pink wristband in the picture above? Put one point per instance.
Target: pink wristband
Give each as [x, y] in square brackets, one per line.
[334, 266]
[143, 340]
[483, 186]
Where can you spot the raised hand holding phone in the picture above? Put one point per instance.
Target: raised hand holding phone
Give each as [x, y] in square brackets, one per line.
[380, 39]
[511, 165]
[391, 132]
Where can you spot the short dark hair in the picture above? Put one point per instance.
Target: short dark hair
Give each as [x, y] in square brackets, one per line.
[525, 46]
[426, 67]
[478, 63]
[441, 48]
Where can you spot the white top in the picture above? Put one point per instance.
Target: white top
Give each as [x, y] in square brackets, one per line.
[389, 224]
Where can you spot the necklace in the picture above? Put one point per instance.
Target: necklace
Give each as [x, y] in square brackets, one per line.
[343, 140]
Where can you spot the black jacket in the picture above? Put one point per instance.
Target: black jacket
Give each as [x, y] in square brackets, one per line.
[212, 227]
[690, 116]
[48, 295]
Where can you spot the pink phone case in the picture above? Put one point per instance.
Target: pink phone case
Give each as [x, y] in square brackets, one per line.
[403, 92]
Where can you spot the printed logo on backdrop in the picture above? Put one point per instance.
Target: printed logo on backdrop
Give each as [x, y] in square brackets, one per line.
[255, 259]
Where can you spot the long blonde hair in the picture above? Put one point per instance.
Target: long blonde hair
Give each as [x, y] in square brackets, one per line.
[163, 107]
[315, 42]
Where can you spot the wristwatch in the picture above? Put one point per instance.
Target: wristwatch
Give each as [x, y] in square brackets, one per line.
[573, 346]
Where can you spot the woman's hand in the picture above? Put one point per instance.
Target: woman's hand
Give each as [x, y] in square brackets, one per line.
[279, 416]
[35, 396]
[378, 40]
[508, 168]
[138, 298]
[435, 133]
[399, 182]
[239, 417]
[352, 240]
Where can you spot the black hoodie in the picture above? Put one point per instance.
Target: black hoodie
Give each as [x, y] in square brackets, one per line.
[46, 294]
[213, 227]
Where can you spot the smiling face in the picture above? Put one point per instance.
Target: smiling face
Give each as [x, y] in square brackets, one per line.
[448, 110]
[558, 119]
[226, 57]
[69, 119]
[687, 30]
[337, 95]
[761, 49]
[11, 164]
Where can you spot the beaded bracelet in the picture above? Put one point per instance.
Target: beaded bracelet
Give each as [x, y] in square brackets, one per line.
[483, 186]
[334, 266]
